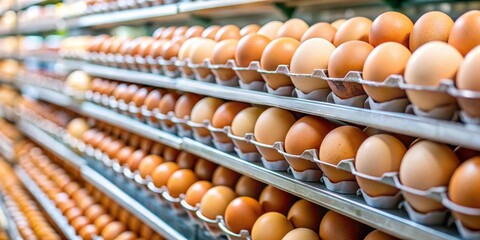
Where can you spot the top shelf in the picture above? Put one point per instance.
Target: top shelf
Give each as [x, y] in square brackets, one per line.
[438, 130]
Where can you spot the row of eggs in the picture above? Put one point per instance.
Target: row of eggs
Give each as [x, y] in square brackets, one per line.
[87, 210]
[245, 203]
[374, 155]
[24, 212]
[379, 49]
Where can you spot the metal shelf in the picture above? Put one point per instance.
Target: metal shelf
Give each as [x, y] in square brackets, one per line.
[130, 204]
[40, 26]
[437, 130]
[55, 215]
[8, 224]
[49, 143]
[394, 222]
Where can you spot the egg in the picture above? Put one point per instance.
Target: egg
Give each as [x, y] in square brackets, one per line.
[129, 92]
[241, 214]
[278, 52]
[186, 160]
[225, 177]
[215, 201]
[73, 213]
[225, 114]
[194, 31]
[356, 28]
[350, 56]
[301, 233]
[102, 221]
[211, 32]
[157, 148]
[293, 28]
[304, 62]
[168, 32]
[271, 226]
[425, 165]
[346, 138]
[204, 111]
[428, 65]
[185, 104]
[272, 126]
[162, 173]
[338, 23]
[276, 200]
[123, 216]
[78, 81]
[194, 194]
[112, 230]
[224, 51]
[250, 48]
[391, 27]
[170, 50]
[431, 26]
[167, 105]
[304, 214]
[79, 222]
[148, 164]
[379, 235]
[134, 224]
[204, 169]
[377, 155]
[249, 187]
[202, 50]
[463, 191]
[180, 31]
[126, 236]
[463, 35]
[306, 133]
[88, 232]
[134, 160]
[320, 30]
[158, 32]
[337, 226]
[466, 80]
[270, 29]
[249, 29]
[157, 48]
[185, 49]
[386, 59]
[244, 121]
[170, 154]
[134, 140]
[227, 32]
[94, 211]
[77, 127]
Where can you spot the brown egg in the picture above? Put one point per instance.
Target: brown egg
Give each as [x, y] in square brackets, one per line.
[71, 187]
[276, 200]
[134, 140]
[278, 52]
[244, 121]
[249, 29]
[204, 169]
[185, 104]
[306, 133]
[337, 226]
[270, 29]
[73, 213]
[79, 222]
[211, 32]
[134, 160]
[148, 164]
[347, 138]
[379, 235]
[225, 177]
[146, 232]
[180, 31]
[102, 221]
[168, 32]
[114, 147]
[126, 236]
[224, 51]
[96, 42]
[386, 59]
[94, 211]
[146, 47]
[88, 232]
[215, 201]
[338, 23]
[123, 216]
[186, 160]
[262, 229]
[202, 50]
[466, 80]
[301, 233]
[158, 32]
[249, 187]
[120, 91]
[167, 102]
[320, 30]
[194, 194]
[356, 28]
[431, 26]
[65, 206]
[241, 214]
[463, 191]
[250, 48]
[225, 114]
[293, 28]
[194, 31]
[112, 230]
[139, 97]
[427, 66]
[227, 32]
[153, 98]
[185, 49]
[170, 154]
[204, 111]
[162, 173]
[179, 182]
[170, 50]
[305, 214]
[463, 35]
[146, 144]
[124, 154]
[377, 155]
[157, 48]
[425, 165]
[349, 56]
[134, 224]
[112, 86]
[391, 27]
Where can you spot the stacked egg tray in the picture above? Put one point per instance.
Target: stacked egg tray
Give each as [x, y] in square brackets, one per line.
[255, 78]
[224, 140]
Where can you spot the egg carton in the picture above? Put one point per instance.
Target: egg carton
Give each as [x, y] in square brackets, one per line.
[153, 65]
[164, 121]
[185, 71]
[169, 67]
[191, 211]
[202, 71]
[183, 130]
[243, 147]
[218, 228]
[276, 162]
[220, 138]
[207, 140]
[224, 73]
[142, 64]
[148, 117]
[135, 112]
